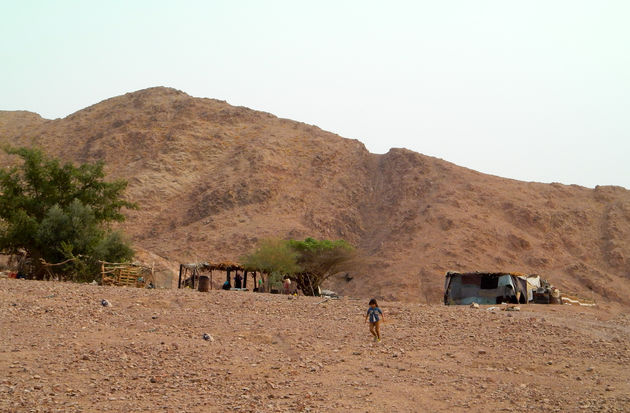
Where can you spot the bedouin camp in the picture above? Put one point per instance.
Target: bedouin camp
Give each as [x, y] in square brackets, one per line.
[200, 275]
[491, 287]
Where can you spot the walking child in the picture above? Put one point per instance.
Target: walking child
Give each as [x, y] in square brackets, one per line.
[375, 321]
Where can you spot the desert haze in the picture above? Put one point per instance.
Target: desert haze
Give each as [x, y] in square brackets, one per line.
[213, 179]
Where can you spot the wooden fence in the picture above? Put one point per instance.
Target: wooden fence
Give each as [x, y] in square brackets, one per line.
[127, 275]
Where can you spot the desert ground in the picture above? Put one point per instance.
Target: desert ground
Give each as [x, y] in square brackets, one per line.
[61, 350]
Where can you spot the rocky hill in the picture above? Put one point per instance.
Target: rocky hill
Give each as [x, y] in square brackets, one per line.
[212, 179]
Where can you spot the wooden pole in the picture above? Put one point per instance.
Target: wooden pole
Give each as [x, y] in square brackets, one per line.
[211, 271]
[179, 283]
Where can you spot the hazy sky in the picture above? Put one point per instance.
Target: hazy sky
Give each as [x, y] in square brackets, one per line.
[532, 90]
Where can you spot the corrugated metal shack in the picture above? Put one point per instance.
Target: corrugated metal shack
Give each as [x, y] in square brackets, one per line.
[490, 287]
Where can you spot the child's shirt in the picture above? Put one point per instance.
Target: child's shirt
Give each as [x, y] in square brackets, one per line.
[373, 314]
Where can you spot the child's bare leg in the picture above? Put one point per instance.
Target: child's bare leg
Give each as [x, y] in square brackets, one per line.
[372, 330]
[378, 329]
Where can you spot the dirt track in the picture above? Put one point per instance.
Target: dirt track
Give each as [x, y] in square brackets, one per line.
[61, 350]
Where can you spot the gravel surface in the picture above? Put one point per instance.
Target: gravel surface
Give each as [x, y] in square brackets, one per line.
[61, 350]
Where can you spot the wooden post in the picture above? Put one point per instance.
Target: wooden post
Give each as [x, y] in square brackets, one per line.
[211, 271]
[245, 279]
[179, 283]
[102, 272]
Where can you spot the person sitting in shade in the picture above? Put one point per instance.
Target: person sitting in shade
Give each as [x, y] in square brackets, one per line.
[508, 294]
[238, 280]
[226, 285]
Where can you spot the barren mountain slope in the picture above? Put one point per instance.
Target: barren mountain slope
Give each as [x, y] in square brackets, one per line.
[212, 179]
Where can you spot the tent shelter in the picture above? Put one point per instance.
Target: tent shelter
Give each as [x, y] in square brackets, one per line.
[489, 288]
[189, 273]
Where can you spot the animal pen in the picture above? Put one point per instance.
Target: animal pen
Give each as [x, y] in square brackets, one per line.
[192, 275]
[112, 273]
[127, 275]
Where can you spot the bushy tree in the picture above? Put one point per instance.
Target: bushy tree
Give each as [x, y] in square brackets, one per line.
[319, 260]
[273, 257]
[60, 212]
[309, 262]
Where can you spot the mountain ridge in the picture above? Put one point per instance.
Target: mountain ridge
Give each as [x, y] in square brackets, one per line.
[212, 179]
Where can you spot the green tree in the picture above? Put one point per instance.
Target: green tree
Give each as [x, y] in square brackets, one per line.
[273, 257]
[60, 212]
[319, 260]
[309, 262]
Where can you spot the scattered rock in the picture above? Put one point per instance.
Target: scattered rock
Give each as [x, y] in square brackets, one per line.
[474, 305]
[136, 357]
[105, 303]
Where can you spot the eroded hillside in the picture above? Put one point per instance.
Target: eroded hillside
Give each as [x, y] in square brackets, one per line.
[212, 179]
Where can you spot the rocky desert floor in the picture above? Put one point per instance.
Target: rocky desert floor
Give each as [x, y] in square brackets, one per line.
[61, 350]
